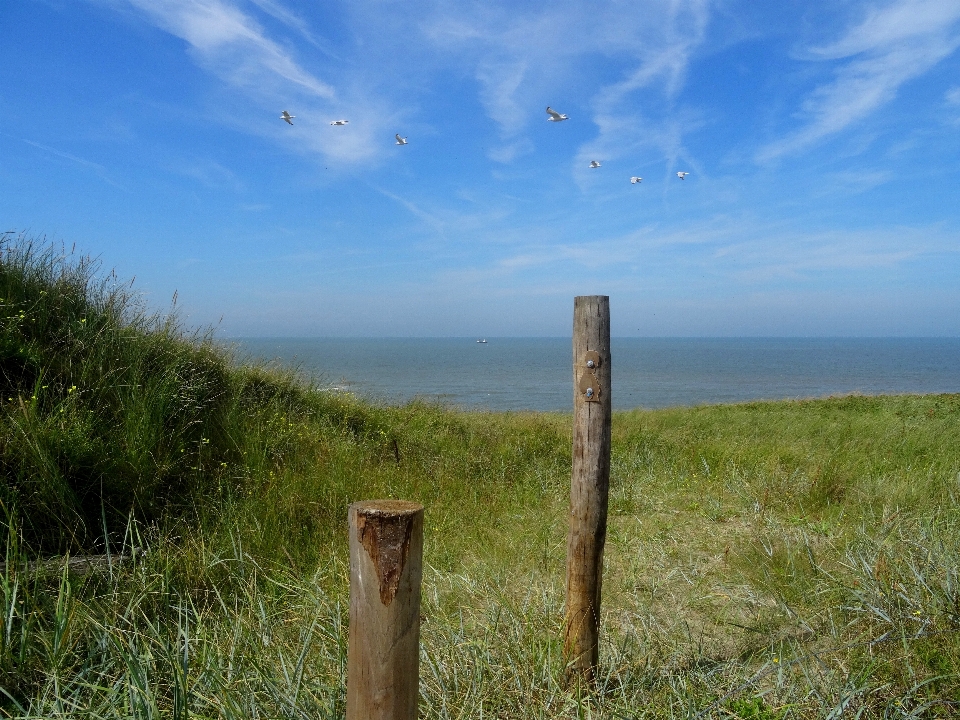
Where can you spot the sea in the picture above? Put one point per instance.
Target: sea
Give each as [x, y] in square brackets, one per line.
[535, 374]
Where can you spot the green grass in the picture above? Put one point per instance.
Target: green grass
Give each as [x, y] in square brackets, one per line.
[764, 560]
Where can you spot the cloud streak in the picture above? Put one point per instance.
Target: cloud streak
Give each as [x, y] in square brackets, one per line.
[227, 41]
[278, 12]
[99, 169]
[65, 155]
[230, 42]
[733, 253]
[889, 47]
[519, 55]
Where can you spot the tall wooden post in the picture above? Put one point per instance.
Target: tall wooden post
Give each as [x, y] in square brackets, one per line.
[589, 485]
[386, 566]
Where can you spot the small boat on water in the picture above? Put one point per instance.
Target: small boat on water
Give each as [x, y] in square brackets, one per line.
[482, 341]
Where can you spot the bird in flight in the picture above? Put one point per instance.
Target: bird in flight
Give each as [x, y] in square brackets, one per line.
[287, 117]
[339, 122]
[400, 140]
[682, 175]
[554, 115]
[594, 163]
[636, 180]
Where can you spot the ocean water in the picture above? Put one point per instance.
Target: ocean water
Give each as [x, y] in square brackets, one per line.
[536, 373]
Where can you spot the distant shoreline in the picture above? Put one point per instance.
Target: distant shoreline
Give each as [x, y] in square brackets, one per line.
[534, 374]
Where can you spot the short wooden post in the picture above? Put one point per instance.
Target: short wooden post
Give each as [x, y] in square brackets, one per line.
[589, 484]
[386, 566]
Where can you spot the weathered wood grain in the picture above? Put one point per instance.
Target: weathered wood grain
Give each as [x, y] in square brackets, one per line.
[383, 663]
[589, 486]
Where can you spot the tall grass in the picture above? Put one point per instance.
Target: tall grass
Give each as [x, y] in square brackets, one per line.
[263, 640]
[765, 560]
[109, 410]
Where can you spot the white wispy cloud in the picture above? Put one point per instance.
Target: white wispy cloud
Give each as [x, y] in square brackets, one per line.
[521, 59]
[97, 168]
[279, 12]
[665, 50]
[65, 155]
[952, 100]
[891, 45]
[668, 49]
[208, 172]
[735, 252]
[524, 56]
[226, 40]
[499, 84]
[432, 221]
[855, 181]
[230, 42]
[512, 53]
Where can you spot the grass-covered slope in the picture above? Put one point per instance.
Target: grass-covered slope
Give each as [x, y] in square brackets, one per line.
[764, 560]
[111, 413]
[108, 410]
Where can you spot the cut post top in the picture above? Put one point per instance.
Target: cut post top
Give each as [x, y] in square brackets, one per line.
[386, 508]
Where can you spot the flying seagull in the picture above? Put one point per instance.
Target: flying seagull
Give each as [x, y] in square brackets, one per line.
[287, 117]
[636, 180]
[339, 122]
[400, 140]
[594, 163]
[554, 115]
[682, 175]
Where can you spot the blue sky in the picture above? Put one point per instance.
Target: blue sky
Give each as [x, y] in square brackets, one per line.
[822, 141]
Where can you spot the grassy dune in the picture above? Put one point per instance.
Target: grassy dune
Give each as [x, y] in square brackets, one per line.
[764, 560]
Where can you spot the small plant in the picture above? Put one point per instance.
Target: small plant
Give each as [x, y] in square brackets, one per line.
[752, 709]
